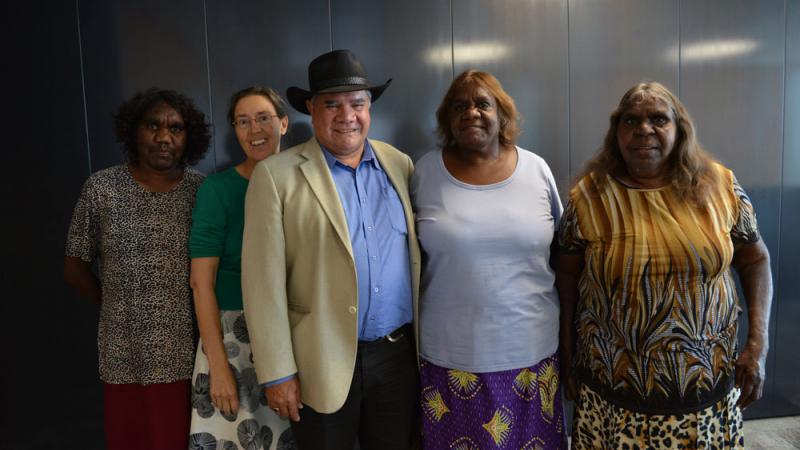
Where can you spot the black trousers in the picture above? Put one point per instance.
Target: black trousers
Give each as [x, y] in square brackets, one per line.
[381, 410]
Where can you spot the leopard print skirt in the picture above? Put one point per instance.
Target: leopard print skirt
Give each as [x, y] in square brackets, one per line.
[600, 425]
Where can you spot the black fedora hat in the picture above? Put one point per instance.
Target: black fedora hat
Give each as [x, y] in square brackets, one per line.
[336, 71]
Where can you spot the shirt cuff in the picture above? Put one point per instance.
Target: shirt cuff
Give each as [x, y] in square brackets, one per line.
[278, 381]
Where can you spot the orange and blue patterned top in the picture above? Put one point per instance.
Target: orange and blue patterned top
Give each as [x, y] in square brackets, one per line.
[657, 315]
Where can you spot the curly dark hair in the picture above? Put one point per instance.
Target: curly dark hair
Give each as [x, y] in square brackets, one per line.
[691, 167]
[506, 109]
[131, 112]
[268, 93]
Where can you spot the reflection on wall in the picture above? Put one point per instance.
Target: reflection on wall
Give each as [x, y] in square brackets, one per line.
[468, 53]
[717, 49]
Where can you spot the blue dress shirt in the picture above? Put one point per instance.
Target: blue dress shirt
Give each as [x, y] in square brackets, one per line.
[379, 239]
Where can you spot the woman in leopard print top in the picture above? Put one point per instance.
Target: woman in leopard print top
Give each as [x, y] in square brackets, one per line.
[135, 218]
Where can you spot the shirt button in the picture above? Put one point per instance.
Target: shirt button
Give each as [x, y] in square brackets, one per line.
[369, 228]
[376, 289]
[352, 309]
[374, 257]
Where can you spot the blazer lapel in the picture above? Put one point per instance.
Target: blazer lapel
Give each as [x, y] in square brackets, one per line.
[396, 176]
[316, 171]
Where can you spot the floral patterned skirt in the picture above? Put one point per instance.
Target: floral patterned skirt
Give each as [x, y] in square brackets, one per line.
[255, 426]
[519, 409]
[600, 425]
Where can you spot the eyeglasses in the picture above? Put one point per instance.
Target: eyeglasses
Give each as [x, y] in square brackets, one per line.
[244, 123]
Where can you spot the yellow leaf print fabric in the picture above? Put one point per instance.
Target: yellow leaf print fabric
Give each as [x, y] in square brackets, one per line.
[500, 425]
[512, 409]
[463, 384]
[657, 315]
[548, 387]
[433, 404]
[525, 384]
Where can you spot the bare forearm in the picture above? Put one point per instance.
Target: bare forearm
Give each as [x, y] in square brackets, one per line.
[203, 281]
[751, 262]
[568, 271]
[757, 289]
[567, 285]
[208, 322]
[78, 275]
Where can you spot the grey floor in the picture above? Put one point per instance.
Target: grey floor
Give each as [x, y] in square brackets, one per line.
[772, 434]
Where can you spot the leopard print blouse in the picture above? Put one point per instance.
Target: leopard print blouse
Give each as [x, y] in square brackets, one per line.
[146, 332]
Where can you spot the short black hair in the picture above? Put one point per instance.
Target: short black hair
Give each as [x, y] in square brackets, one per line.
[132, 111]
[268, 93]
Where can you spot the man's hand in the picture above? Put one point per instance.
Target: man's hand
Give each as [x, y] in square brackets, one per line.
[284, 398]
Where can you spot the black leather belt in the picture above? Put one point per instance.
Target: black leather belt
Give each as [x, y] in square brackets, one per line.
[394, 336]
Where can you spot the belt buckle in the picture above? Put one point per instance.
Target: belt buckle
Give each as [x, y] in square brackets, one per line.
[400, 334]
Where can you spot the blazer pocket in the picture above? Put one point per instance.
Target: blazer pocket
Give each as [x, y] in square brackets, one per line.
[296, 314]
[298, 308]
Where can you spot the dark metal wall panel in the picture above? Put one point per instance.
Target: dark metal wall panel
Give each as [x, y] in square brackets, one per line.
[267, 43]
[130, 46]
[732, 84]
[614, 44]
[524, 44]
[787, 308]
[48, 333]
[403, 41]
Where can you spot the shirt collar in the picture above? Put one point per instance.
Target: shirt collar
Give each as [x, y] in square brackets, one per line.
[368, 156]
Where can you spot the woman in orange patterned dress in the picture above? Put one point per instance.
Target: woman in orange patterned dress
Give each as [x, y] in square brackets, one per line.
[649, 307]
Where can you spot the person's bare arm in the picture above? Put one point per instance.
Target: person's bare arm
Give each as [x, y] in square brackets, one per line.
[223, 390]
[751, 261]
[568, 270]
[78, 274]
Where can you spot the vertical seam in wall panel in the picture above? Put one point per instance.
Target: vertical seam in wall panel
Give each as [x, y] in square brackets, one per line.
[780, 190]
[452, 43]
[569, 100]
[208, 80]
[330, 26]
[680, 47]
[83, 87]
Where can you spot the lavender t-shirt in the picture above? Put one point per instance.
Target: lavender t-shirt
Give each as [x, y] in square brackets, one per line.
[488, 300]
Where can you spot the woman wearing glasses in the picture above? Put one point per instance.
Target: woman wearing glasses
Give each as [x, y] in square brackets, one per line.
[229, 410]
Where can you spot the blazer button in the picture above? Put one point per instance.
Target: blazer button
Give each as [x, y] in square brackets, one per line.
[352, 309]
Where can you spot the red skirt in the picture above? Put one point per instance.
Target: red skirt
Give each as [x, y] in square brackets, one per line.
[140, 417]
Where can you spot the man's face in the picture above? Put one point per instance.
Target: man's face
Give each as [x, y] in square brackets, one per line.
[341, 121]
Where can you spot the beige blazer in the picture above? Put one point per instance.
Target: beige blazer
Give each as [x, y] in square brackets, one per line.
[298, 272]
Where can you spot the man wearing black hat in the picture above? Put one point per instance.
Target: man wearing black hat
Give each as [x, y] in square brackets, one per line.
[330, 271]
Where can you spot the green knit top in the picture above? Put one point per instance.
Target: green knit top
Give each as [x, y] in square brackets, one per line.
[217, 227]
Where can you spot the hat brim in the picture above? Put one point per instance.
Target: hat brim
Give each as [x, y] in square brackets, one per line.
[297, 97]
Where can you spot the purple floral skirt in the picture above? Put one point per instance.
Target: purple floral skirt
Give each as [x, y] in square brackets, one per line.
[513, 409]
